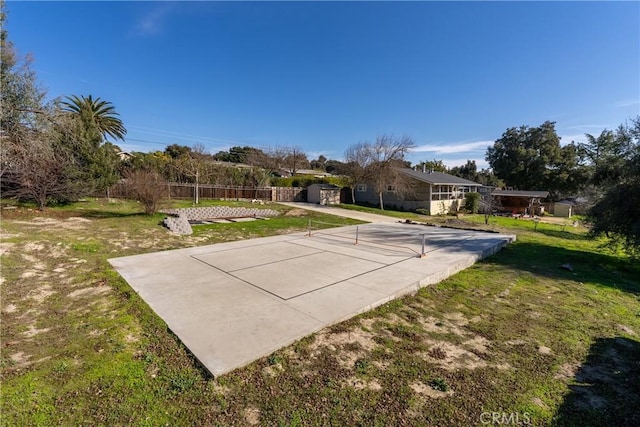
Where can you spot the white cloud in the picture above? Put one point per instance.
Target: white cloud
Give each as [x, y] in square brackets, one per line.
[456, 147]
[585, 127]
[627, 103]
[566, 139]
[481, 163]
[312, 155]
[153, 22]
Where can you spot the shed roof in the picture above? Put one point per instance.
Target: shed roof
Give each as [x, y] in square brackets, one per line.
[439, 178]
[326, 186]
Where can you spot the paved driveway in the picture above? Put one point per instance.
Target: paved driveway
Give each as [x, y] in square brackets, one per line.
[346, 213]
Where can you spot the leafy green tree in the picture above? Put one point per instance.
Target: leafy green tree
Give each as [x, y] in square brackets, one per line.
[605, 155]
[247, 155]
[472, 202]
[531, 159]
[617, 213]
[97, 119]
[467, 171]
[157, 161]
[51, 152]
[96, 113]
[35, 163]
[319, 163]
[42, 167]
[335, 167]
[21, 96]
[176, 151]
[432, 165]
[488, 178]
[570, 173]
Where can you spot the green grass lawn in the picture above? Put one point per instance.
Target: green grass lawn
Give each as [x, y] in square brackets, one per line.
[513, 338]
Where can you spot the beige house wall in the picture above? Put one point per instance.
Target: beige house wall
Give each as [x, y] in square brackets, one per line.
[443, 207]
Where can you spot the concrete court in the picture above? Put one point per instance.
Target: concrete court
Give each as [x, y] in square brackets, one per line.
[232, 303]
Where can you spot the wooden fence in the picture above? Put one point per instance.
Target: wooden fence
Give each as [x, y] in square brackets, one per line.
[205, 191]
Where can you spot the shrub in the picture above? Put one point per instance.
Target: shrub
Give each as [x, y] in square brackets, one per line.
[147, 187]
[439, 384]
[472, 202]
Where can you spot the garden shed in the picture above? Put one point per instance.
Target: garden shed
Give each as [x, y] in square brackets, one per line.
[324, 194]
[563, 208]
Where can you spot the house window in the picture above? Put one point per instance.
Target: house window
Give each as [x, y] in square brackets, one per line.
[446, 192]
[391, 188]
[361, 188]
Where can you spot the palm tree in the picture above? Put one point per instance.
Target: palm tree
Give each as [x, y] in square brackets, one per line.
[98, 112]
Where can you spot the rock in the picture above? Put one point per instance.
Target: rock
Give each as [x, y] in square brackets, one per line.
[567, 267]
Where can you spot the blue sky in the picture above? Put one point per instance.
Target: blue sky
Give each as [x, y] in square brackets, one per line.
[325, 75]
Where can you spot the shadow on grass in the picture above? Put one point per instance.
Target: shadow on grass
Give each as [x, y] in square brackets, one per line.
[102, 214]
[606, 387]
[599, 268]
[565, 234]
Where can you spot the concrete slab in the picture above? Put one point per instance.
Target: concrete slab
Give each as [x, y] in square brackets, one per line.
[234, 302]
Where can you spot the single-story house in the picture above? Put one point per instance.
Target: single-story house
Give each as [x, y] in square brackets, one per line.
[324, 194]
[520, 202]
[124, 155]
[436, 192]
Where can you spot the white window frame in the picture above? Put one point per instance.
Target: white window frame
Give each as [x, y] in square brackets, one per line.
[361, 188]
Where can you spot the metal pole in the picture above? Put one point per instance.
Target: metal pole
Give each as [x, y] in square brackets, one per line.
[309, 229]
[422, 254]
[356, 236]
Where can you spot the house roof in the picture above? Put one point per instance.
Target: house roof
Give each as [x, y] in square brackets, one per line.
[312, 172]
[439, 178]
[520, 193]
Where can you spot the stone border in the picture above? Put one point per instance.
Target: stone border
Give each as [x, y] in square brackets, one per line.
[178, 221]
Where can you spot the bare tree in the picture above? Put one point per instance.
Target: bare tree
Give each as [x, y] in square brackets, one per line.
[379, 164]
[289, 158]
[274, 159]
[488, 205]
[260, 178]
[39, 163]
[37, 172]
[357, 158]
[295, 159]
[387, 159]
[147, 187]
[195, 166]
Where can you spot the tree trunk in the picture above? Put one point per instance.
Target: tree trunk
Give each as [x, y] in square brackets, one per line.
[42, 203]
[353, 195]
[381, 203]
